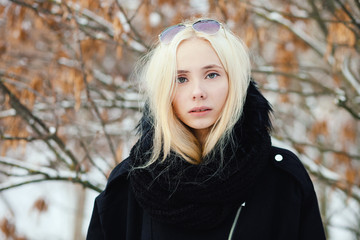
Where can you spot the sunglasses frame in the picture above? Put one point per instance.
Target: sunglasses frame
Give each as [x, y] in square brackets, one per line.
[182, 26]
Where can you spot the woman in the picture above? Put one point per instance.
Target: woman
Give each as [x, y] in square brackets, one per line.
[204, 167]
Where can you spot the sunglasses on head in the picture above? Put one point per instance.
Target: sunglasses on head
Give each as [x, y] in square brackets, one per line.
[207, 26]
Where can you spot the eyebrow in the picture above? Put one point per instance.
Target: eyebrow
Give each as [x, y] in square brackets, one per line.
[205, 67]
[212, 66]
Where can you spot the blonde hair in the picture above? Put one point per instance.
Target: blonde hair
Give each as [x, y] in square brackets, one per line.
[159, 74]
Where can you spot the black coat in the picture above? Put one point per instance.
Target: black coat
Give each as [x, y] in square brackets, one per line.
[282, 206]
[280, 201]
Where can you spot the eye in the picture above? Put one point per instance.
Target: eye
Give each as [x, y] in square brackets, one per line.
[181, 80]
[212, 75]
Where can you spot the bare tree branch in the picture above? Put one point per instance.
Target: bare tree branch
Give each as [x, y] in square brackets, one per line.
[39, 174]
[95, 108]
[138, 37]
[300, 77]
[322, 148]
[279, 19]
[38, 126]
[317, 16]
[349, 14]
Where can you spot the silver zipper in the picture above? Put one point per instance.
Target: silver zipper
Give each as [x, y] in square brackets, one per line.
[235, 221]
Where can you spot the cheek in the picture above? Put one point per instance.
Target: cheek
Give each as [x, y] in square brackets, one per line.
[176, 104]
[179, 97]
[226, 93]
[222, 92]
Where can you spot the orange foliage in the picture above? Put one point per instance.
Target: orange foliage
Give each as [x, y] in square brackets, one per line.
[351, 175]
[241, 12]
[71, 81]
[9, 230]
[342, 159]
[118, 29]
[40, 205]
[250, 35]
[348, 133]
[29, 95]
[2, 47]
[92, 48]
[336, 80]
[340, 39]
[119, 52]
[119, 152]
[318, 160]
[78, 80]
[16, 16]
[147, 10]
[16, 126]
[170, 2]
[46, 5]
[319, 129]
[286, 60]
[106, 10]
[222, 7]
[61, 131]
[339, 33]
[299, 148]
[284, 98]
[90, 4]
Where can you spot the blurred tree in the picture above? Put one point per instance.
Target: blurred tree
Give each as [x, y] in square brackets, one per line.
[67, 93]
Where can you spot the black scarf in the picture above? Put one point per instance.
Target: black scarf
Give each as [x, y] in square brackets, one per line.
[202, 196]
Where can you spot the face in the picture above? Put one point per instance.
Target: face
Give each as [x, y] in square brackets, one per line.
[201, 86]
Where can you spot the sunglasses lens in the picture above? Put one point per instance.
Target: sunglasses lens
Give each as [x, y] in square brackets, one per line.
[168, 34]
[207, 26]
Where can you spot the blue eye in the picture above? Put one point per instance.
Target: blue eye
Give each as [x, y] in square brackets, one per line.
[212, 75]
[181, 80]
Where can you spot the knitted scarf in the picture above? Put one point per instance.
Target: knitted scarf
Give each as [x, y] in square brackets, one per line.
[202, 196]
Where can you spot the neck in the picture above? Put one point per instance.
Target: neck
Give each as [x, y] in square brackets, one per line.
[201, 135]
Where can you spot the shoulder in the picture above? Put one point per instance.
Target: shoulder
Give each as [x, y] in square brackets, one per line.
[117, 185]
[119, 172]
[311, 226]
[116, 204]
[288, 162]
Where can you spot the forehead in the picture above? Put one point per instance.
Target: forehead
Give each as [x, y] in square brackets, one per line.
[196, 52]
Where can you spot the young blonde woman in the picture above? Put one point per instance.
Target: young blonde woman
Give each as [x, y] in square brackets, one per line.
[204, 166]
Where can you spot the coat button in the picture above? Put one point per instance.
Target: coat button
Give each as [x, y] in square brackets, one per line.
[278, 157]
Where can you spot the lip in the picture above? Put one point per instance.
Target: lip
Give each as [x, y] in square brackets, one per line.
[200, 111]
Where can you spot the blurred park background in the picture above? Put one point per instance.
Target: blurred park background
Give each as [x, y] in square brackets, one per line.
[69, 104]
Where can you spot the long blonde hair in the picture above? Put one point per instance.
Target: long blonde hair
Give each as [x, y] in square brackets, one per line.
[158, 72]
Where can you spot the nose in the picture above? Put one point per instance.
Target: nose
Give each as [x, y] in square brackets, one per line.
[198, 91]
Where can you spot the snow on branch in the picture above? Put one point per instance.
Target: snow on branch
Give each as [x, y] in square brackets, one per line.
[37, 173]
[349, 76]
[7, 113]
[278, 18]
[323, 173]
[135, 44]
[31, 168]
[40, 128]
[92, 16]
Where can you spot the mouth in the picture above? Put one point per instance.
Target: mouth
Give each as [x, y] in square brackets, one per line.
[200, 110]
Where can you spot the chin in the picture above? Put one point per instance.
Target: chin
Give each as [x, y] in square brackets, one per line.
[201, 127]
